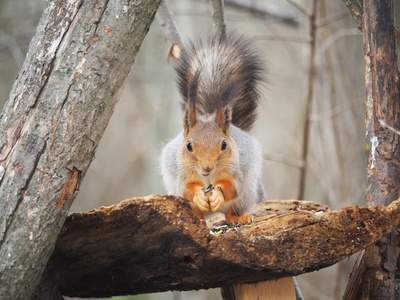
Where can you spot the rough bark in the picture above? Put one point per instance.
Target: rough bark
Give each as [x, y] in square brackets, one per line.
[171, 31]
[383, 102]
[374, 274]
[356, 10]
[52, 123]
[383, 173]
[218, 17]
[156, 244]
[46, 290]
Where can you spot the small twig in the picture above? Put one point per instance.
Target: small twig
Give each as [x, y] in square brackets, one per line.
[171, 31]
[294, 39]
[299, 296]
[302, 9]
[333, 18]
[341, 108]
[217, 12]
[312, 290]
[337, 35]
[12, 45]
[310, 89]
[200, 12]
[356, 10]
[383, 123]
[291, 162]
[263, 13]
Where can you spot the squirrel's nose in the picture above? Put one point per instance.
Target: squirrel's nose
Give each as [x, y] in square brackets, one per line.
[206, 170]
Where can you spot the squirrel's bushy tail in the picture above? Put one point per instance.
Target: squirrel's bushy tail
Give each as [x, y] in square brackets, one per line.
[228, 72]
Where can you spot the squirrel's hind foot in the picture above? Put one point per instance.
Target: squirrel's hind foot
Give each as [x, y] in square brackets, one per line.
[234, 220]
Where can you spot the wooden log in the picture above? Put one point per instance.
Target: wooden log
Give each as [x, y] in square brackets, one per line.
[155, 243]
[282, 289]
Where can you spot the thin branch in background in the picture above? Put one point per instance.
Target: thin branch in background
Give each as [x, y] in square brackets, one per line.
[313, 166]
[217, 13]
[339, 184]
[311, 290]
[337, 110]
[335, 17]
[383, 123]
[199, 12]
[337, 284]
[299, 295]
[12, 45]
[302, 9]
[283, 38]
[310, 87]
[319, 175]
[291, 162]
[327, 43]
[314, 169]
[262, 13]
[288, 140]
[165, 16]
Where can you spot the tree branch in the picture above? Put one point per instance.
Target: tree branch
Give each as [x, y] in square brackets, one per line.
[171, 31]
[310, 88]
[52, 123]
[301, 8]
[155, 244]
[356, 10]
[217, 13]
[262, 12]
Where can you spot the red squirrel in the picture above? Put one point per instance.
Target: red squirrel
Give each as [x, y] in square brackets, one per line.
[214, 162]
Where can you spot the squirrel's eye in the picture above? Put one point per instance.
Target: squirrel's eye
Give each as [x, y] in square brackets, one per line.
[223, 146]
[189, 146]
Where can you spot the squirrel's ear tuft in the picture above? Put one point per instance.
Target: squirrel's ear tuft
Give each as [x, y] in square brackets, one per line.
[223, 118]
[189, 117]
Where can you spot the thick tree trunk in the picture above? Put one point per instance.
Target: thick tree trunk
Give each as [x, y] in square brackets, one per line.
[156, 244]
[52, 123]
[374, 274]
[383, 175]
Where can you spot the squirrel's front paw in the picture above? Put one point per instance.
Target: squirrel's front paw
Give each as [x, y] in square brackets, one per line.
[216, 199]
[201, 200]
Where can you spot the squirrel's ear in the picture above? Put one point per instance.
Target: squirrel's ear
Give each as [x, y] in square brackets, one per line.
[189, 117]
[224, 117]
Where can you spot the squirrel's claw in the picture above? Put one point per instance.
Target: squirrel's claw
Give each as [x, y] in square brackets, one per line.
[234, 220]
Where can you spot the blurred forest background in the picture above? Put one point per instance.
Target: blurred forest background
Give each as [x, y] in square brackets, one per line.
[149, 114]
